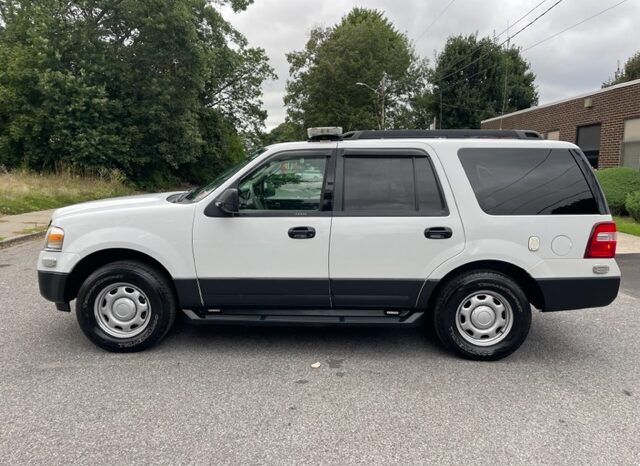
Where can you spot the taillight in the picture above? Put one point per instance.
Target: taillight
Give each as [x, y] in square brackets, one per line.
[602, 242]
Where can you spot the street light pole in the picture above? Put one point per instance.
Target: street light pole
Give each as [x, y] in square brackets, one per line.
[383, 88]
[380, 94]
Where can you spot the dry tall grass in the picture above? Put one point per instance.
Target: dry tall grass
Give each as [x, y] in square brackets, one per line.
[24, 191]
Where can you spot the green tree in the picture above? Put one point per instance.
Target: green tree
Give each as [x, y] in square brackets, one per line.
[284, 132]
[629, 72]
[469, 82]
[155, 88]
[363, 48]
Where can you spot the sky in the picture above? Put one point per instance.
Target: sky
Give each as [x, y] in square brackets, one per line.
[572, 63]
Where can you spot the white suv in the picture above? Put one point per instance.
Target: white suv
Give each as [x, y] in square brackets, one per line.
[463, 229]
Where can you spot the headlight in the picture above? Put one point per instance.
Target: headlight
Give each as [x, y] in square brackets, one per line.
[54, 239]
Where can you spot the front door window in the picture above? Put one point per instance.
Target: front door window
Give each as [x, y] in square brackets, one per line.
[291, 183]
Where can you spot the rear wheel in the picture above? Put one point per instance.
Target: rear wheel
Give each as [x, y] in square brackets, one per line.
[482, 315]
[126, 306]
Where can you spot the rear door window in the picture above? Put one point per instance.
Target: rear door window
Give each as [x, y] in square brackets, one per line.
[391, 186]
[379, 184]
[511, 181]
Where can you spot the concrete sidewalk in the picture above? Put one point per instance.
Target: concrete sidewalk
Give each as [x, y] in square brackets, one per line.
[628, 244]
[20, 227]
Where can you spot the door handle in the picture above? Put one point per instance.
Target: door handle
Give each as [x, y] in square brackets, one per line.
[438, 233]
[302, 232]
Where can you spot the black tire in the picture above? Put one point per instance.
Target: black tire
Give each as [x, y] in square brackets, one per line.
[455, 294]
[154, 284]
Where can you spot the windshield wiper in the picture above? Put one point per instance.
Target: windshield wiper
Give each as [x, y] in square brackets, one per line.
[182, 196]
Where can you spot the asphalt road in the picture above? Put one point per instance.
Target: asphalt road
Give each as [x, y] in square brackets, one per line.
[630, 265]
[570, 395]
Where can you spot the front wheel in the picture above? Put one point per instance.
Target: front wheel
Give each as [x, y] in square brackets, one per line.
[126, 306]
[482, 315]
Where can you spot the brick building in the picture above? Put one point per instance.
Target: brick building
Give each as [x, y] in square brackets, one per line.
[604, 123]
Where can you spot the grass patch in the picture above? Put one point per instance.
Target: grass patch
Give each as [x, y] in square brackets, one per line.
[36, 229]
[23, 191]
[627, 225]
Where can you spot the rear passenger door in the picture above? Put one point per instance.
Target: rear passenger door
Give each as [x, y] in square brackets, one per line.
[394, 222]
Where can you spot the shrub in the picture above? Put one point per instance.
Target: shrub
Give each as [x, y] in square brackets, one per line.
[616, 184]
[633, 205]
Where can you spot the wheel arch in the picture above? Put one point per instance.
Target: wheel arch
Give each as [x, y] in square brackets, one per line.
[519, 275]
[87, 265]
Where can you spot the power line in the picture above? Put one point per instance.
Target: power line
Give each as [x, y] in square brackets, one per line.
[436, 19]
[522, 17]
[506, 40]
[529, 47]
[574, 25]
[478, 47]
[506, 74]
[480, 71]
[496, 65]
[535, 19]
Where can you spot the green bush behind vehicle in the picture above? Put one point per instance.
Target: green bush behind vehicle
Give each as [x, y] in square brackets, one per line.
[617, 183]
[632, 205]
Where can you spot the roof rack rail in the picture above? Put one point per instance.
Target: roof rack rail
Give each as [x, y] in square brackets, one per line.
[443, 134]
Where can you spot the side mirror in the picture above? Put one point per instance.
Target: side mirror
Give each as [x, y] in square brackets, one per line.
[228, 202]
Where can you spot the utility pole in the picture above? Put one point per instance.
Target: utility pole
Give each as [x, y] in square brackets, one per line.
[440, 107]
[506, 69]
[383, 84]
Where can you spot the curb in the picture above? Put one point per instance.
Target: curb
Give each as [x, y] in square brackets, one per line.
[20, 239]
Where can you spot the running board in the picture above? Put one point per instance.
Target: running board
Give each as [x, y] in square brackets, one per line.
[308, 318]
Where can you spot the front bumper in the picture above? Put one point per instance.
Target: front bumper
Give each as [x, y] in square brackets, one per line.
[562, 294]
[52, 288]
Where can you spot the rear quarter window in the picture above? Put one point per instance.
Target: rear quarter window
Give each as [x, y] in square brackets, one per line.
[512, 181]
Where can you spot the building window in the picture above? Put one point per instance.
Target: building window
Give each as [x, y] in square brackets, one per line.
[631, 144]
[553, 135]
[589, 142]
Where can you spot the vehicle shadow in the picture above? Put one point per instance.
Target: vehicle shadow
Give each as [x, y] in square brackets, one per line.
[266, 338]
[548, 342]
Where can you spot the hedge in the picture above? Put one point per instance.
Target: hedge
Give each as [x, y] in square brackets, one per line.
[633, 205]
[617, 183]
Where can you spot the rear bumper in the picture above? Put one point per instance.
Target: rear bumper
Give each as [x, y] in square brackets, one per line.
[561, 294]
[52, 288]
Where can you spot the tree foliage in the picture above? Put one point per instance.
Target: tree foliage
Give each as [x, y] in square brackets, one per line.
[630, 72]
[160, 89]
[284, 132]
[469, 82]
[364, 47]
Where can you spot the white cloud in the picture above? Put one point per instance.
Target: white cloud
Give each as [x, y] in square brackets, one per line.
[575, 62]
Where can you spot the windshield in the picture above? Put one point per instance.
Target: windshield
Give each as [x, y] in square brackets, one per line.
[202, 191]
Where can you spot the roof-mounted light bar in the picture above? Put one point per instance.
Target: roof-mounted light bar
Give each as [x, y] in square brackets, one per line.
[324, 133]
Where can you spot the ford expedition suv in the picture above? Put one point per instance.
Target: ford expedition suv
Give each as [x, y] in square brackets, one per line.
[461, 230]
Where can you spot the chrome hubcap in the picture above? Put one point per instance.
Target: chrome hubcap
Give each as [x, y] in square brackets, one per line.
[484, 318]
[122, 310]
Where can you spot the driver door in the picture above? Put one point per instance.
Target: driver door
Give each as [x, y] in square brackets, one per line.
[274, 252]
